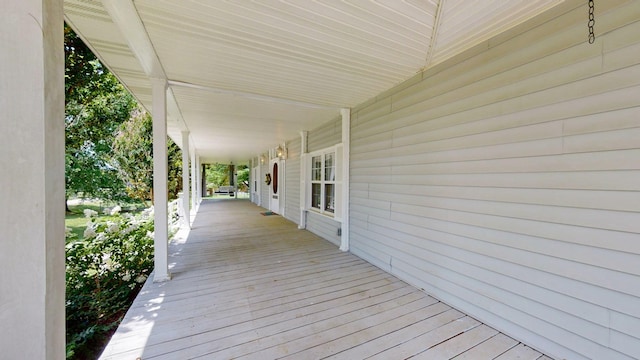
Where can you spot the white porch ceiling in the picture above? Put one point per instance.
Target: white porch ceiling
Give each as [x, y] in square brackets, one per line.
[247, 75]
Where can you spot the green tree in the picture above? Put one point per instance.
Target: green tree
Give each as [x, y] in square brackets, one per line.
[82, 73]
[132, 155]
[217, 175]
[243, 177]
[95, 105]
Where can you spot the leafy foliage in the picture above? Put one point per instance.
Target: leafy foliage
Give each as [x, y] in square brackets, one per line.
[217, 175]
[108, 156]
[132, 155]
[174, 155]
[104, 272]
[80, 76]
[95, 105]
[243, 177]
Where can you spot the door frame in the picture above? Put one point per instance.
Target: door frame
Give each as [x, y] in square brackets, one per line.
[274, 196]
[255, 185]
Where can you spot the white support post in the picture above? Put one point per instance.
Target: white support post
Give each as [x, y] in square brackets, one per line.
[346, 137]
[196, 192]
[160, 175]
[200, 189]
[260, 179]
[303, 180]
[185, 179]
[32, 195]
[255, 177]
[251, 175]
[194, 181]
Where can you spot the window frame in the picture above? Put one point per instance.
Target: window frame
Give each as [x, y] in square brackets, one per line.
[324, 180]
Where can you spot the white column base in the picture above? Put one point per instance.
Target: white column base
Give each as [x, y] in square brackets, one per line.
[161, 278]
[303, 219]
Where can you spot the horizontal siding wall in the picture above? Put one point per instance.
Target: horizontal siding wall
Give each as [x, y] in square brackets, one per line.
[292, 181]
[326, 135]
[507, 184]
[323, 137]
[323, 226]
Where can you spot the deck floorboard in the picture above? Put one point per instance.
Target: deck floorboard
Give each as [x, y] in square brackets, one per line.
[247, 286]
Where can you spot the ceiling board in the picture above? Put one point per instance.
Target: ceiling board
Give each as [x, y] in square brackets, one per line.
[246, 66]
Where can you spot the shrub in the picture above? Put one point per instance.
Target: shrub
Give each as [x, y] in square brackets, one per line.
[104, 270]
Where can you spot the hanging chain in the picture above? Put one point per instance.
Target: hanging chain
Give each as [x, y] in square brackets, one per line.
[592, 22]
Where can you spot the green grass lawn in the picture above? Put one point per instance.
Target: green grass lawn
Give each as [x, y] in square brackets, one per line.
[77, 222]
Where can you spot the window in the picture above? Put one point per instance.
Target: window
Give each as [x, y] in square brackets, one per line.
[325, 181]
[316, 182]
[329, 182]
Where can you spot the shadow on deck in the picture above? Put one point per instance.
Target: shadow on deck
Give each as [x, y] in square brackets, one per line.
[251, 286]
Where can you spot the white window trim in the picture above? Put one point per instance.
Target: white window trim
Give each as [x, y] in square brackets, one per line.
[336, 150]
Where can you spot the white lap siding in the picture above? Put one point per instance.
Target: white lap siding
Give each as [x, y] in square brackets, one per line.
[506, 182]
[292, 181]
[323, 137]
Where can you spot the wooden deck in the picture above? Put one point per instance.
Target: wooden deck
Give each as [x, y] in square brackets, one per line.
[251, 286]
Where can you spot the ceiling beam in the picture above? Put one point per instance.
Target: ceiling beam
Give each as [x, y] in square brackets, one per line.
[126, 18]
[434, 33]
[252, 96]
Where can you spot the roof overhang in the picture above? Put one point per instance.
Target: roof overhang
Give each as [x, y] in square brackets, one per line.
[245, 76]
